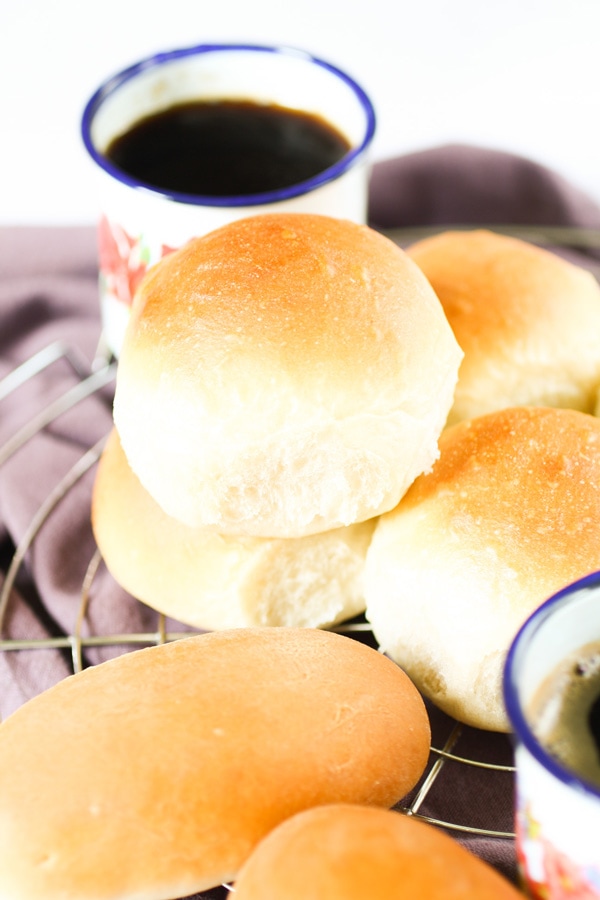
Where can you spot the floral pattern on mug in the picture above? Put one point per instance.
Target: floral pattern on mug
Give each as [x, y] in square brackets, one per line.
[124, 260]
[556, 877]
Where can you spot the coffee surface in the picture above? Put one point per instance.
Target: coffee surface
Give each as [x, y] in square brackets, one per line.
[227, 148]
[565, 713]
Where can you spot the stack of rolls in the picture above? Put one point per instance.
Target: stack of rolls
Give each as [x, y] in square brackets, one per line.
[283, 381]
[285, 389]
[281, 460]
[295, 442]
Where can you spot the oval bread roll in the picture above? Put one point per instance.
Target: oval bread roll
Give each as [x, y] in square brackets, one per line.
[527, 320]
[282, 376]
[155, 774]
[216, 581]
[508, 516]
[347, 852]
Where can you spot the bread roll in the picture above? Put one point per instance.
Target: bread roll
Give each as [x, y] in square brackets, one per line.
[282, 376]
[508, 516]
[527, 320]
[348, 852]
[154, 775]
[218, 581]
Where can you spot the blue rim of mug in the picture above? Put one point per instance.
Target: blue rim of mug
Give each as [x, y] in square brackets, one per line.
[523, 732]
[116, 81]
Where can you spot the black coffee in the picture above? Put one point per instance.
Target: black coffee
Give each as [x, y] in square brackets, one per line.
[227, 148]
[565, 713]
[594, 723]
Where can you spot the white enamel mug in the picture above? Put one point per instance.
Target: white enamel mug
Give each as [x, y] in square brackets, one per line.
[557, 812]
[140, 223]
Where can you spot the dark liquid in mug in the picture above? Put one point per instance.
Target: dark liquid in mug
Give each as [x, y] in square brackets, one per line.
[227, 148]
[565, 713]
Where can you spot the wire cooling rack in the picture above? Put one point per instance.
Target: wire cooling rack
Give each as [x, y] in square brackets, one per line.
[474, 769]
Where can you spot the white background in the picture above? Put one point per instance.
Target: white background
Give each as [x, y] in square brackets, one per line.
[519, 75]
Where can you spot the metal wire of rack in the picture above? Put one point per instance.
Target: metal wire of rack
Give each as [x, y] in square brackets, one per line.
[488, 765]
[445, 749]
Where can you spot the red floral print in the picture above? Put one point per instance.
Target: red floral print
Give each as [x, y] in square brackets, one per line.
[124, 260]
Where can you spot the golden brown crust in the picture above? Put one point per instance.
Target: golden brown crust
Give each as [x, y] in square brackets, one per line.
[215, 581]
[508, 516]
[154, 775]
[275, 371]
[532, 473]
[525, 318]
[352, 852]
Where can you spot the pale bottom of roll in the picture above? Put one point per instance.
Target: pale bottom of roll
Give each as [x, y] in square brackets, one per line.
[214, 581]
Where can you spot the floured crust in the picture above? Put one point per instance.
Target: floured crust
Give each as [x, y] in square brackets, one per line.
[526, 319]
[284, 375]
[508, 516]
[154, 775]
[214, 581]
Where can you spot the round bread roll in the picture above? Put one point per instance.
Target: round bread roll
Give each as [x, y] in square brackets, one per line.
[154, 775]
[526, 319]
[349, 852]
[216, 581]
[282, 376]
[508, 516]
